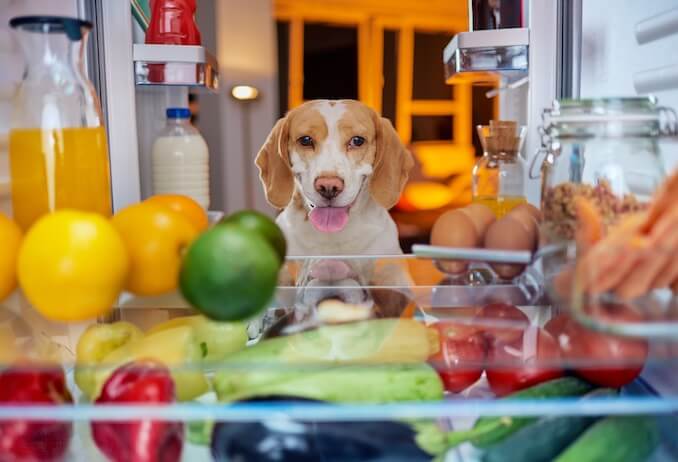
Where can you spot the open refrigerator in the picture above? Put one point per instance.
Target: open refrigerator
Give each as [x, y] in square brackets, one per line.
[377, 399]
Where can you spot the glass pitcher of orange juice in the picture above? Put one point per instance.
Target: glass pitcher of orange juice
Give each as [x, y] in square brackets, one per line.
[57, 141]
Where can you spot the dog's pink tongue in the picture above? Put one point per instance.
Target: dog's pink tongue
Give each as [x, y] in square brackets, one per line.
[329, 219]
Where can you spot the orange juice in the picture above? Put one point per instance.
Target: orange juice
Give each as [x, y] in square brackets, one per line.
[500, 205]
[56, 169]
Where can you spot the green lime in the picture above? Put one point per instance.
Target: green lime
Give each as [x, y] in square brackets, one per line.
[229, 274]
[262, 224]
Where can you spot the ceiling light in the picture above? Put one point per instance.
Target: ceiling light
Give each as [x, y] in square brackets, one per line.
[244, 92]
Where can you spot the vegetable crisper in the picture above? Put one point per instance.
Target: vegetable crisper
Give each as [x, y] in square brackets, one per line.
[342, 367]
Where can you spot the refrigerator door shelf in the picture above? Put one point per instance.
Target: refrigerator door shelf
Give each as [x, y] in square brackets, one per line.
[502, 51]
[176, 65]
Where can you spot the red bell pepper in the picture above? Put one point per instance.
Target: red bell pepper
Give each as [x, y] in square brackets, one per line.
[33, 441]
[145, 383]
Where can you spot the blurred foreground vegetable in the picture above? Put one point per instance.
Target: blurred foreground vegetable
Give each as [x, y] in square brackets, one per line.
[305, 359]
[143, 383]
[28, 441]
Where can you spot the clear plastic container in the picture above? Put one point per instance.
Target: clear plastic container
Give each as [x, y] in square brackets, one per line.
[356, 388]
[181, 159]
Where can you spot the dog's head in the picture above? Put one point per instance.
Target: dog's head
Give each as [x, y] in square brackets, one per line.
[330, 153]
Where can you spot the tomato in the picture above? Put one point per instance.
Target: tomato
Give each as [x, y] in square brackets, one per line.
[627, 357]
[557, 325]
[532, 359]
[460, 360]
[563, 330]
[603, 359]
[502, 322]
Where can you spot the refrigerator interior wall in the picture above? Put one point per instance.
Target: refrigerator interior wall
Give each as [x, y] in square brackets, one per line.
[245, 38]
[611, 55]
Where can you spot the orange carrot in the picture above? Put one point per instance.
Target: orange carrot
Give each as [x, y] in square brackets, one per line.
[665, 198]
[590, 224]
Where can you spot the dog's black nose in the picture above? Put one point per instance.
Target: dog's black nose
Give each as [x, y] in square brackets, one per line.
[329, 187]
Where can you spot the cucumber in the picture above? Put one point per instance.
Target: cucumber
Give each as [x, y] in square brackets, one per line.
[615, 439]
[383, 383]
[546, 438]
[491, 430]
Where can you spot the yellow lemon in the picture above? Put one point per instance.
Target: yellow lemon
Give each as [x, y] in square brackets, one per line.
[10, 239]
[72, 265]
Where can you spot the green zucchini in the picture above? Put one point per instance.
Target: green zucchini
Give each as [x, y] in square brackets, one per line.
[491, 430]
[382, 383]
[615, 439]
[544, 439]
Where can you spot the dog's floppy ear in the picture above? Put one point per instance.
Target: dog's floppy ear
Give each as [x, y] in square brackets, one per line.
[274, 166]
[392, 164]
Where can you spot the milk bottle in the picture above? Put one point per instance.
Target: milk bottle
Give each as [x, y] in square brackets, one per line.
[181, 159]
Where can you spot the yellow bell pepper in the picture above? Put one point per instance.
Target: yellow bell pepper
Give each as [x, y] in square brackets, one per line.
[177, 348]
[98, 341]
[216, 339]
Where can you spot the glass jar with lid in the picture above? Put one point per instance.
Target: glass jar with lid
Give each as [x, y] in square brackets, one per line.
[498, 177]
[604, 149]
[607, 151]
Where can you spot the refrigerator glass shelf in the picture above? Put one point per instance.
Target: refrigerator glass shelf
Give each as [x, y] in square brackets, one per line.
[355, 356]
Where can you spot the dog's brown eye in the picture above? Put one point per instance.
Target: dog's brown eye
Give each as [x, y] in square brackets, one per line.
[356, 141]
[305, 141]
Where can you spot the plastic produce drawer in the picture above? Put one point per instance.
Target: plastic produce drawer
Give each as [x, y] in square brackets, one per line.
[358, 359]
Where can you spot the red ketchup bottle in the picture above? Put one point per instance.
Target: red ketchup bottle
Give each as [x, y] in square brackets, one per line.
[172, 23]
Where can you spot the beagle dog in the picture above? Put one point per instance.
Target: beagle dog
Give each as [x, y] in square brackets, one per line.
[335, 168]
